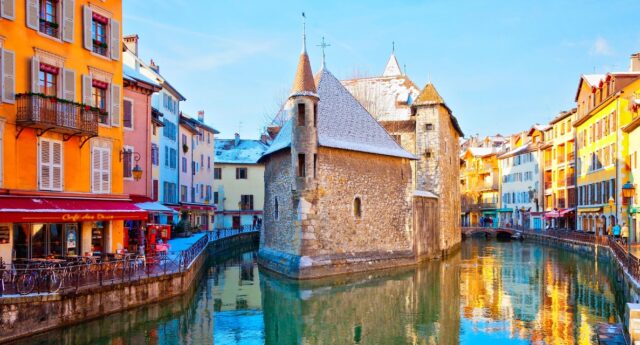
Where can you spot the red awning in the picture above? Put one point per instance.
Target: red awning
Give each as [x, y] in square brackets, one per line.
[567, 210]
[50, 210]
[552, 214]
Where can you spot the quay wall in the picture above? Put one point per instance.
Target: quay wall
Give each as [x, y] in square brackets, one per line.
[24, 316]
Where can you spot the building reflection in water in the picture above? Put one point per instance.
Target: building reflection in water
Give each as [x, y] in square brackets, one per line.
[537, 294]
[410, 306]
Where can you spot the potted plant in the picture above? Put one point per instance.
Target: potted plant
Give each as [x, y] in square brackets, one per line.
[185, 148]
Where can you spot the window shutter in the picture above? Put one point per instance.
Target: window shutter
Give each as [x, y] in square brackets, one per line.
[87, 16]
[127, 114]
[35, 74]
[115, 105]
[86, 89]
[33, 14]
[45, 164]
[56, 165]
[8, 9]
[8, 76]
[68, 9]
[115, 40]
[105, 171]
[69, 84]
[95, 169]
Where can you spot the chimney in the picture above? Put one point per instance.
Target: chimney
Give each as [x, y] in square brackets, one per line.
[153, 66]
[201, 116]
[273, 131]
[131, 42]
[635, 62]
[237, 139]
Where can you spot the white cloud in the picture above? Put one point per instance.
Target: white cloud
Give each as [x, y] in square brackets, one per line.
[601, 47]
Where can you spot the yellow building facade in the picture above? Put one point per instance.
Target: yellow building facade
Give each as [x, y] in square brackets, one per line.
[602, 165]
[632, 135]
[559, 171]
[479, 185]
[61, 129]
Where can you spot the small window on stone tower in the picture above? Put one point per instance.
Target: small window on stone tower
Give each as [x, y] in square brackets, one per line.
[301, 114]
[429, 126]
[427, 153]
[315, 115]
[301, 165]
[357, 207]
[315, 165]
[276, 211]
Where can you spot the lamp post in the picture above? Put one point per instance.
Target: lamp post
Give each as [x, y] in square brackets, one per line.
[628, 190]
[137, 170]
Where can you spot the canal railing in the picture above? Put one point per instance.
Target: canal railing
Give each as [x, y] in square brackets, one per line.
[70, 275]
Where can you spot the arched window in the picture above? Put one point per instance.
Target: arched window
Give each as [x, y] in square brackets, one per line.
[276, 211]
[357, 207]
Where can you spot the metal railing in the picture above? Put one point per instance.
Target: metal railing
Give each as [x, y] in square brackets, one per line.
[37, 110]
[67, 274]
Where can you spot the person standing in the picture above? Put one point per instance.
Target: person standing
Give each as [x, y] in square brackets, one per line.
[255, 222]
[616, 231]
[625, 233]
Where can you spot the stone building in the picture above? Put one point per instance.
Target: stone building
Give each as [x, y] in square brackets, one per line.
[337, 187]
[423, 124]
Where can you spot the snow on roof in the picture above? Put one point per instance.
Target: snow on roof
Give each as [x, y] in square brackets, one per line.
[246, 152]
[517, 150]
[132, 74]
[386, 98]
[482, 151]
[343, 123]
[593, 79]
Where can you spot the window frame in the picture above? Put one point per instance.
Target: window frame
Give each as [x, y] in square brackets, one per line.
[131, 114]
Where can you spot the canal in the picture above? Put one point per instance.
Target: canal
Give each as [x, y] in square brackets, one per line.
[488, 293]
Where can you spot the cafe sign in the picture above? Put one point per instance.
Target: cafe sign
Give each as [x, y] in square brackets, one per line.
[82, 217]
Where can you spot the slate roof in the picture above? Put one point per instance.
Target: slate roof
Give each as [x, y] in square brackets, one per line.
[343, 123]
[247, 151]
[393, 68]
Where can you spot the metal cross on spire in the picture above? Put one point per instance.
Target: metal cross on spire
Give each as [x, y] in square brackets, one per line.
[393, 47]
[304, 33]
[323, 45]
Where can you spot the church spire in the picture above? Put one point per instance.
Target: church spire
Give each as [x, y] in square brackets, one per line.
[303, 83]
[393, 67]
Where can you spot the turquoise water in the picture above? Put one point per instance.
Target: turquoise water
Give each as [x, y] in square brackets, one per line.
[489, 293]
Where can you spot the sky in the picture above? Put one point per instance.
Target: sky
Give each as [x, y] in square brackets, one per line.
[501, 66]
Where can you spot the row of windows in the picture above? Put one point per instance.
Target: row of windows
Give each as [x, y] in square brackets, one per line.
[596, 193]
[170, 157]
[598, 159]
[169, 193]
[516, 197]
[241, 173]
[51, 166]
[170, 130]
[518, 177]
[598, 130]
[199, 191]
[170, 103]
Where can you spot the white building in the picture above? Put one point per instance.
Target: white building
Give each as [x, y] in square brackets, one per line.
[521, 181]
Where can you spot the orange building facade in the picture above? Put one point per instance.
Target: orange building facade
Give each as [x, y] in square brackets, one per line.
[61, 172]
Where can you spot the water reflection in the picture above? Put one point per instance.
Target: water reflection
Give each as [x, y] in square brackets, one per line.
[490, 292]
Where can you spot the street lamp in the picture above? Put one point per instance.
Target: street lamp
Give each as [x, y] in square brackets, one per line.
[137, 170]
[628, 191]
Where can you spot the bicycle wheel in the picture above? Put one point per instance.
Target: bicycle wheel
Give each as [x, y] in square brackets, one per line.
[25, 283]
[53, 282]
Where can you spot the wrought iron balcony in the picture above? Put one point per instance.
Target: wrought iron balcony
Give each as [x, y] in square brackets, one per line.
[51, 114]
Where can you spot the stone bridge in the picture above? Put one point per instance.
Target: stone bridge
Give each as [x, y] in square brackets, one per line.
[472, 230]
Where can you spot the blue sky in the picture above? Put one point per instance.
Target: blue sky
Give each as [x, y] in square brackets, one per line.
[500, 65]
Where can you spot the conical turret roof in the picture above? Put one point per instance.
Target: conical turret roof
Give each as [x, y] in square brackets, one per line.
[303, 84]
[429, 95]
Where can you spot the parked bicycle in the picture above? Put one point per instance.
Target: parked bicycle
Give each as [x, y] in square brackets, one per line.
[44, 277]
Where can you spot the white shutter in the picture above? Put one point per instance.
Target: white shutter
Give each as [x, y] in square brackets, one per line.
[8, 9]
[95, 169]
[87, 16]
[45, 164]
[8, 76]
[35, 74]
[116, 100]
[68, 10]
[86, 89]
[57, 177]
[33, 14]
[69, 84]
[105, 171]
[115, 39]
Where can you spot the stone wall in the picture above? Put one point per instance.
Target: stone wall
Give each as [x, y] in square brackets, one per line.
[381, 183]
[439, 168]
[280, 232]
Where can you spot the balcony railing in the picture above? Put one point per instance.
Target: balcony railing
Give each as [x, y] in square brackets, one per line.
[49, 113]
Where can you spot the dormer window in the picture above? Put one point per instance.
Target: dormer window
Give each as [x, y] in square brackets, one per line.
[301, 114]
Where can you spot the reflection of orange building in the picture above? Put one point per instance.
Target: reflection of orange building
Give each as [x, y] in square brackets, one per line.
[551, 304]
[60, 127]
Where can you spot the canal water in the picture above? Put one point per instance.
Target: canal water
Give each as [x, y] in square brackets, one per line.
[489, 293]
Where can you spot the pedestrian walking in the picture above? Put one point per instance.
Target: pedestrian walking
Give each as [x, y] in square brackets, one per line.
[255, 222]
[609, 230]
[625, 233]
